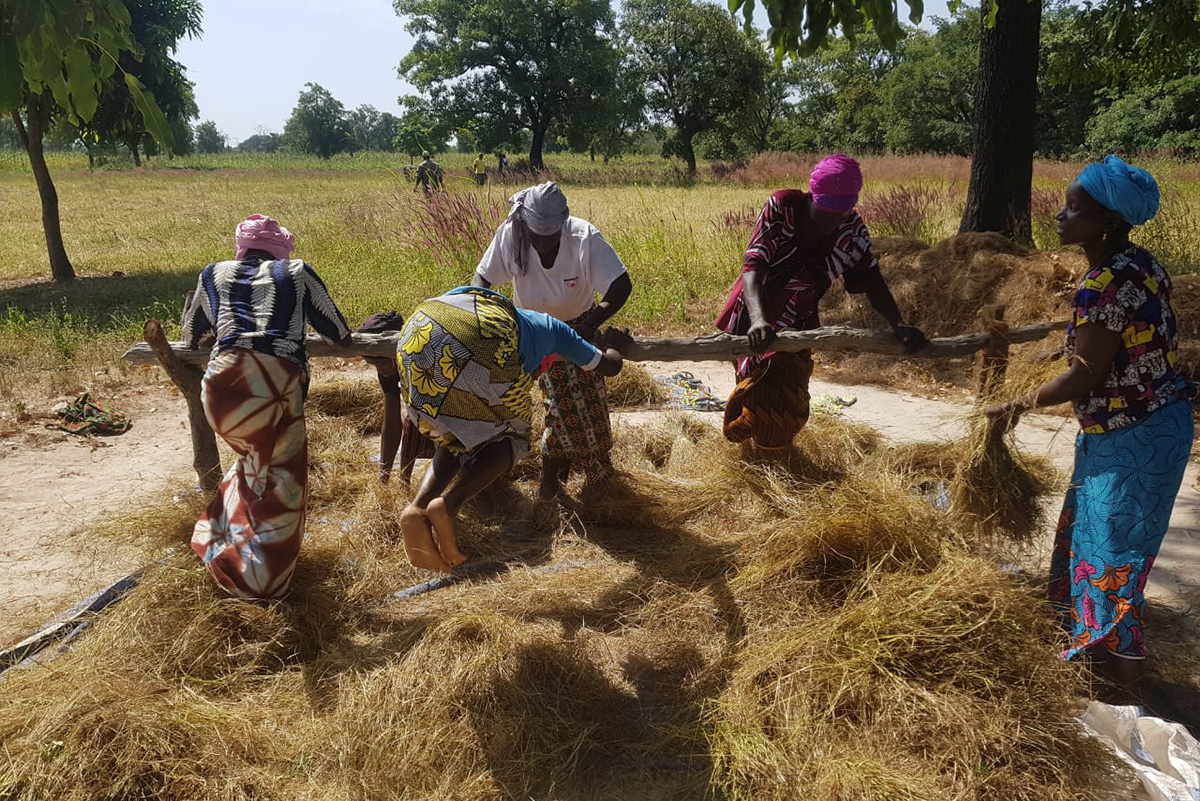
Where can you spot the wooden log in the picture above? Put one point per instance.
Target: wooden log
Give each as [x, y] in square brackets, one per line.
[715, 347]
[993, 360]
[187, 374]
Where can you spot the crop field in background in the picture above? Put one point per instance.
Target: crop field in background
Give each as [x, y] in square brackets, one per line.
[138, 238]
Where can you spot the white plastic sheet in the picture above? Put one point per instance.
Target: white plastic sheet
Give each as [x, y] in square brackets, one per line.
[1164, 755]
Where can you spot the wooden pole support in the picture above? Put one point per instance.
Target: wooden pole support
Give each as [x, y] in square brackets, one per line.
[187, 377]
[993, 359]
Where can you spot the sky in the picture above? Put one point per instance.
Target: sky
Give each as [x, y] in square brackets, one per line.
[249, 67]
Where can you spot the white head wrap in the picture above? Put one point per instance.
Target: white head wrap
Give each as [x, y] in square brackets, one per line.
[540, 209]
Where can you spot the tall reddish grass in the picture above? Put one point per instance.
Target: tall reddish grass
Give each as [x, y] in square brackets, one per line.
[455, 228]
[904, 210]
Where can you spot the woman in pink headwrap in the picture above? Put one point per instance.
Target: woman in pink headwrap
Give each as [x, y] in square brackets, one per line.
[254, 310]
[802, 242]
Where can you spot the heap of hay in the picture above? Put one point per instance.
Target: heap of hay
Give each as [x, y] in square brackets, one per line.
[804, 625]
[633, 387]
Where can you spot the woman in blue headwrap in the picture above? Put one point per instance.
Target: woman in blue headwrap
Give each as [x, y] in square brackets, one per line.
[1132, 403]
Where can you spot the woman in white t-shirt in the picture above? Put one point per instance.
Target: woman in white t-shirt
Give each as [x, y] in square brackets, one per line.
[557, 263]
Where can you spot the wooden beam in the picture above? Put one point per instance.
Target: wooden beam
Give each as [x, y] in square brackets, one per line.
[715, 347]
[186, 373]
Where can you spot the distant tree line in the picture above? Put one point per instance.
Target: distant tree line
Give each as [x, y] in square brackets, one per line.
[512, 74]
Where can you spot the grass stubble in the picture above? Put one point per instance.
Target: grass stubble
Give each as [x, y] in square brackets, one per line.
[712, 622]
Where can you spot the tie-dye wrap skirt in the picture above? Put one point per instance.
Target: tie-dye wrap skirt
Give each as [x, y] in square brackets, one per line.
[249, 537]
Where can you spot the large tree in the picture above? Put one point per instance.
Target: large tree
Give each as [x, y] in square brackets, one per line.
[696, 65]
[1005, 132]
[56, 57]
[318, 124]
[372, 129]
[157, 26]
[500, 65]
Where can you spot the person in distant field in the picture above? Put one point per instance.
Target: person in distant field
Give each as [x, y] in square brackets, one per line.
[397, 433]
[803, 241]
[467, 363]
[429, 175]
[254, 309]
[557, 264]
[501, 163]
[479, 167]
[1135, 415]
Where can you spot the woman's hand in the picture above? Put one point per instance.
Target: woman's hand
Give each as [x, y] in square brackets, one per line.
[760, 335]
[1002, 417]
[610, 363]
[911, 337]
[616, 338]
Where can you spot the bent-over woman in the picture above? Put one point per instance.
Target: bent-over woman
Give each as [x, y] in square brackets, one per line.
[254, 309]
[468, 360]
[557, 264]
[801, 244]
[1133, 407]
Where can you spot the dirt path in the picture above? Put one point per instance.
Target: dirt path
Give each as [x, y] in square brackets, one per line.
[54, 488]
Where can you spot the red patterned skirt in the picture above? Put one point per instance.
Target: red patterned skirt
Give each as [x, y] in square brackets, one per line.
[249, 537]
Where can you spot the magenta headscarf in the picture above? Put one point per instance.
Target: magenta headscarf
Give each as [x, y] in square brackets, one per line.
[260, 232]
[835, 183]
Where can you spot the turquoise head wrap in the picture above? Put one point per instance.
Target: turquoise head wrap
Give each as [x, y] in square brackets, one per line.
[1130, 191]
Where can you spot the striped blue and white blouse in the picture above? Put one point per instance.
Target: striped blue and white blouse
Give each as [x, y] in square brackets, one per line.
[262, 306]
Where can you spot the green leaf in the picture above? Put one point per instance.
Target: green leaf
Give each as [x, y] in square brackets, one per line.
[12, 81]
[81, 82]
[152, 115]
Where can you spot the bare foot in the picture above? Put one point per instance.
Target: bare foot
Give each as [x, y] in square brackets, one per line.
[444, 532]
[418, 541]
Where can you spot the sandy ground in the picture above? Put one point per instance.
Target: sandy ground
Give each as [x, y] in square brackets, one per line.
[55, 487]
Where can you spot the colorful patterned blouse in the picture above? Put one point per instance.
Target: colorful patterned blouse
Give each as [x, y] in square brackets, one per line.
[795, 278]
[1130, 295]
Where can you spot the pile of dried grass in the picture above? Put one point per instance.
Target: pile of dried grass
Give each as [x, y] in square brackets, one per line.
[359, 402]
[800, 625]
[634, 387]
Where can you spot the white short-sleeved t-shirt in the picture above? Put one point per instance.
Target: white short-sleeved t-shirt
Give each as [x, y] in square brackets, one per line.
[586, 264]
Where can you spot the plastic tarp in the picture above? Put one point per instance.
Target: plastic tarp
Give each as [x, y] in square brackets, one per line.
[1164, 756]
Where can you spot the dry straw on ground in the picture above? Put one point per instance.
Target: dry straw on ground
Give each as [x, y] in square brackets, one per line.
[711, 622]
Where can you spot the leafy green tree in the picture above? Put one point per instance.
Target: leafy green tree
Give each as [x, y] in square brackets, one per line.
[501, 66]
[928, 97]
[318, 124]
[372, 129]
[1162, 116]
[208, 138]
[56, 57]
[840, 105]
[696, 65]
[157, 26]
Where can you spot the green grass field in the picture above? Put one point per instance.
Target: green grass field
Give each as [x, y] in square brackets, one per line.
[138, 238]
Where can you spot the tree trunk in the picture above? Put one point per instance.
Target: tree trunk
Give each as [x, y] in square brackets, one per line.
[1005, 118]
[687, 152]
[535, 149]
[37, 111]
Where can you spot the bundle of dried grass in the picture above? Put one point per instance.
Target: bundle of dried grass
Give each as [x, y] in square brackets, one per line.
[634, 387]
[999, 489]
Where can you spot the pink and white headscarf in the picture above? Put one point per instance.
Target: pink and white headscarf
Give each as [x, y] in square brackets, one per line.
[260, 232]
[835, 183]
